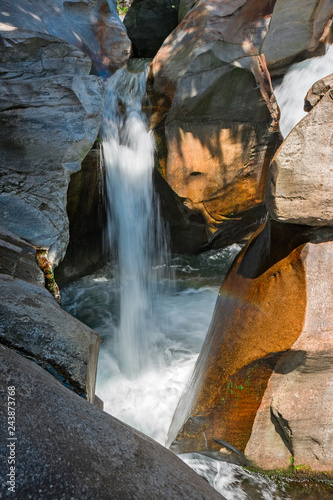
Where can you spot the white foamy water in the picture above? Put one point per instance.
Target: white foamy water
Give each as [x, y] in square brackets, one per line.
[182, 316]
[134, 228]
[295, 85]
[232, 481]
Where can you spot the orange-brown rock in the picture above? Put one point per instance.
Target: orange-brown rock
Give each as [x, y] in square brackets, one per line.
[220, 131]
[259, 314]
[294, 422]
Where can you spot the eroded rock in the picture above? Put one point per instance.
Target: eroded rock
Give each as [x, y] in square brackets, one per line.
[50, 114]
[256, 320]
[219, 130]
[294, 421]
[91, 25]
[71, 449]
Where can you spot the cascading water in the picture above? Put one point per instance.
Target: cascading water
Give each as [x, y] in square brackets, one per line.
[135, 231]
[297, 81]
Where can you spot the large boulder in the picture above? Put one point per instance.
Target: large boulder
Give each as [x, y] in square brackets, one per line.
[300, 182]
[260, 313]
[91, 25]
[32, 323]
[148, 23]
[50, 114]
[297, 31]
[216, 126]
[294, 421]
[66, 448]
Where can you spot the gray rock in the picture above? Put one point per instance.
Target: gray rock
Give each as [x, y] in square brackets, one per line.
[67, 448]
[18, 259]
[148, 23]
[295, 32]
[300, 182]
[91, 25]
[49, 120]
[32, 323]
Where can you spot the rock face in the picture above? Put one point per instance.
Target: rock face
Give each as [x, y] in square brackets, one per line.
[295, 416]
[85, 252]
[50, 114]
[148, 23]
[95, 455]
[256, 320]
[297, 31]
[32, 323]
[216, 125]
[91, 25]
[300, 180]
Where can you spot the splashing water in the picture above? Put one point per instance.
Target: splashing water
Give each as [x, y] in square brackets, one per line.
[135, 230]
[297, 81]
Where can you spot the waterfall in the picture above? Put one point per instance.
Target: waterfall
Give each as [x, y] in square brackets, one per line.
[134, 228]
[297, 81]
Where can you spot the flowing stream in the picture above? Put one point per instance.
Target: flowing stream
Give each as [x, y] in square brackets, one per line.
[297, 81]
[151, 310]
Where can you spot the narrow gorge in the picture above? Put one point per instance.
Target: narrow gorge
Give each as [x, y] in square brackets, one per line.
[166, 236]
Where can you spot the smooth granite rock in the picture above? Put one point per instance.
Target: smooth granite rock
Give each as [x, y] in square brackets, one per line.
[67, 448]
[297, 31]
[260, 313]
[300, 180]
[91, 25]
[50, 114]
[215, 117]
[294, 421]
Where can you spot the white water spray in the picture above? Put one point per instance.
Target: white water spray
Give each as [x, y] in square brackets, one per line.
[134, 228]
[295, 85]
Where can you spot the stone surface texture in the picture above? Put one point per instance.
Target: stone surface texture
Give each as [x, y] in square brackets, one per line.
[295, 416]
[91, 25]
[256, 320]
[71, 449]
[50, 114]
[300, 182]
[296, 32]
[148, 23]
[32, 323]
[86, 213]
[216, 118]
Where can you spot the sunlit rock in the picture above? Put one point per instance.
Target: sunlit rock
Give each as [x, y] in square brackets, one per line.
[91, 25]
[294, 421]
[50, 114]
[67, 448]
[260, 312]
[297, 31]
[300, 182]
[218, 117]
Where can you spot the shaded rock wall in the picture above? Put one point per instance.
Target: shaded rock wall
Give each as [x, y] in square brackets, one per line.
[148, 23]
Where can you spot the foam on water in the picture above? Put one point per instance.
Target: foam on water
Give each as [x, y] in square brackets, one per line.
[297, 81]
